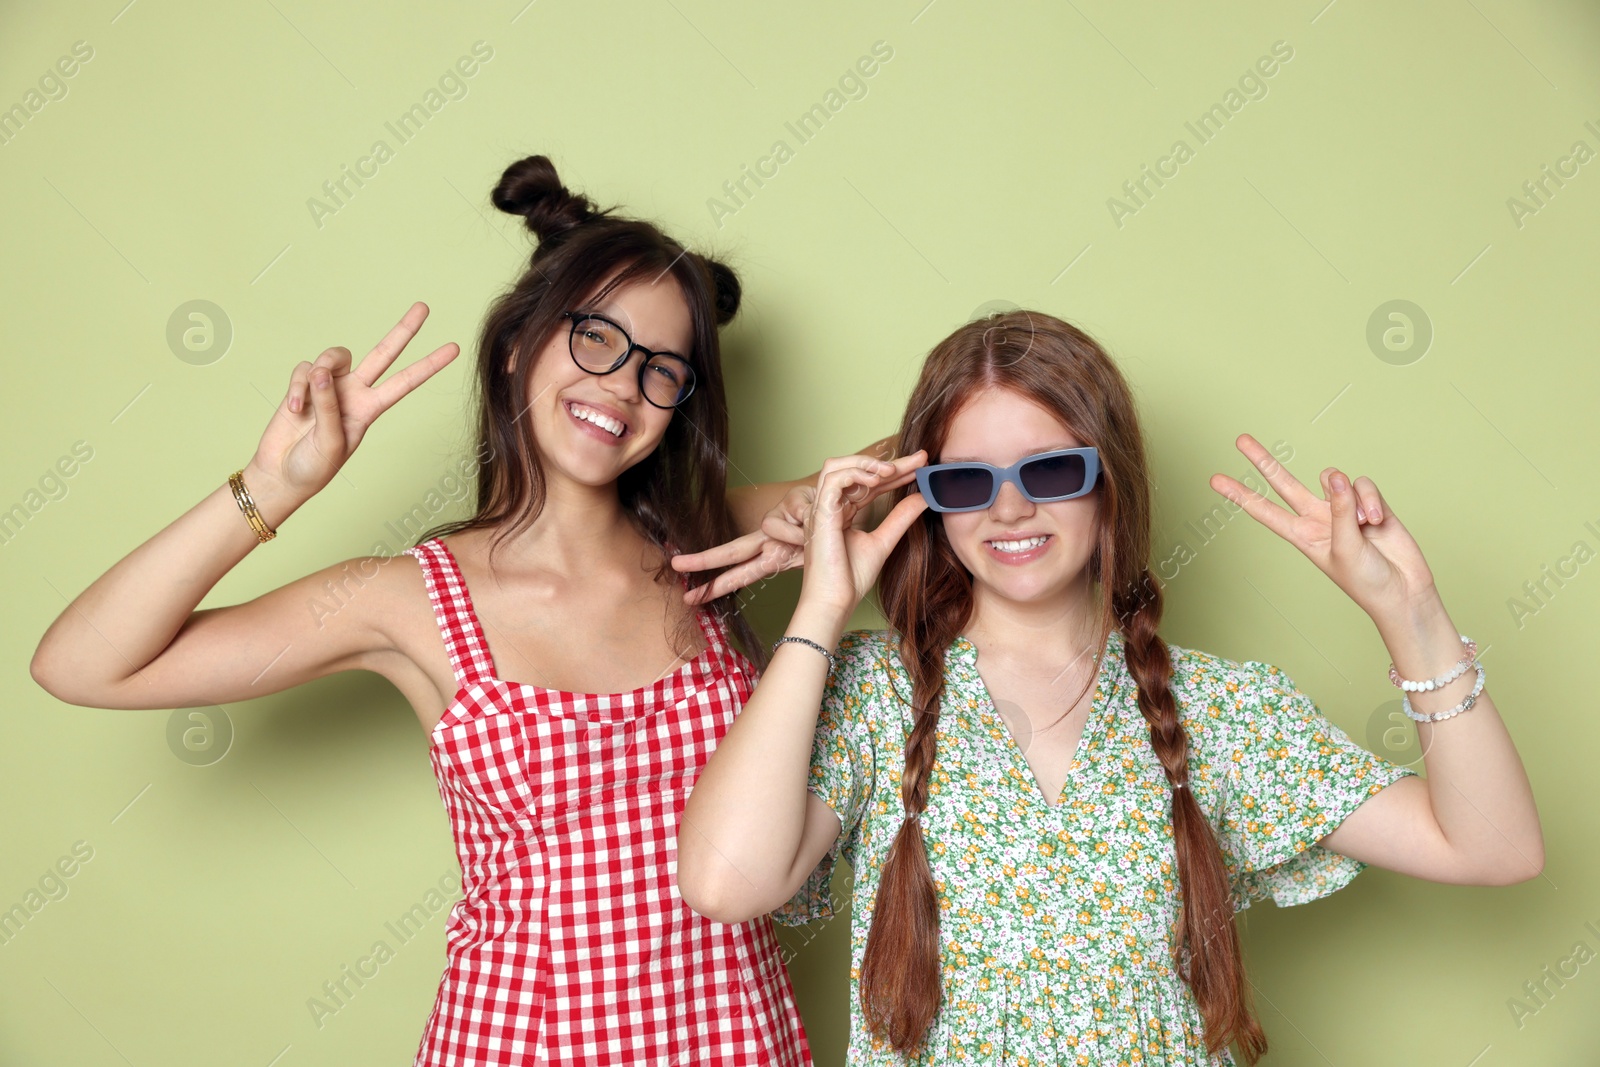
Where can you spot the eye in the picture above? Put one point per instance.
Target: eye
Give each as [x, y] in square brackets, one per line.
[670, 370]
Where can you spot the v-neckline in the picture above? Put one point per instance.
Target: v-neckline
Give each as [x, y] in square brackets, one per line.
[1103, 696]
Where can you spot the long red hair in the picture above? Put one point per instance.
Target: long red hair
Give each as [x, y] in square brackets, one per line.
[926, 595]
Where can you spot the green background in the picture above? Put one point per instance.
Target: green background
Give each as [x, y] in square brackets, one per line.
[976, 168]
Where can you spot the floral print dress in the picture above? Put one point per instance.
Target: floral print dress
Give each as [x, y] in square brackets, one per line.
[1055, 920]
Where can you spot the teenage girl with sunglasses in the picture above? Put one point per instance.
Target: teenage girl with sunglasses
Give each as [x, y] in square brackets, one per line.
[570, 693]
[1052, 813]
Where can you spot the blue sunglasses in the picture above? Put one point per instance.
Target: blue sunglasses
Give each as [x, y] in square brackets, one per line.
[1043, 478]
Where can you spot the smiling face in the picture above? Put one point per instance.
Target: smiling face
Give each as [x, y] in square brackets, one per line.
[1017, 550]
[592, 427]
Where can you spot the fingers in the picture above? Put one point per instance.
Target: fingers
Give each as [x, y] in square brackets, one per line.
[1346, 527]
[841, 491]
[297, 386]
[855, 480]
[1255, 505]
[788, 528]
[402, 382]
[394, 342]
[335, 359]
[764, 566]
[1286, 485]
[1369, 502]
[732, 552]
[786, 522]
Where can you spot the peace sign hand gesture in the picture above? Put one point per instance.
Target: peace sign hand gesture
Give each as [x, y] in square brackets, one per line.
[329, 407]
[1351, 534]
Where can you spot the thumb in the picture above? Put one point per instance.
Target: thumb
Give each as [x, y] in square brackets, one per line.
[899, 520]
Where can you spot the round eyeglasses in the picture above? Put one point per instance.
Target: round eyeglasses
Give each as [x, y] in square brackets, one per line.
[600, 346]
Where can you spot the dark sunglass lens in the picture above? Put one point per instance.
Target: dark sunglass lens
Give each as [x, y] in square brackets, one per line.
[1057, 476]
[597, 344]
[964, 487]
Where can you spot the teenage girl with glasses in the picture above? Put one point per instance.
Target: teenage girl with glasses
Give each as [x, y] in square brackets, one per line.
[1053, 814]
[574, 694]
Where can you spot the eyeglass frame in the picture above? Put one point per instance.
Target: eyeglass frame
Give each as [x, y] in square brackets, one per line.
[579, 316]
[1012, 474]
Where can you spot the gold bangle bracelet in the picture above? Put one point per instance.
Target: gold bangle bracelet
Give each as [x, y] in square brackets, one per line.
[242, 497]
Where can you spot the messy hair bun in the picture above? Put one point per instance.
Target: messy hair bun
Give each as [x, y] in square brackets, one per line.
[725, 289]
[531, 188]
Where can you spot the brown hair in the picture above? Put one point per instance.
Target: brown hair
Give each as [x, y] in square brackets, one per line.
[926, 595]
[678, 494]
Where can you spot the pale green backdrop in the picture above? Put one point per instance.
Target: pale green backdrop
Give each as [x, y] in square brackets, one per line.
[1383, 159]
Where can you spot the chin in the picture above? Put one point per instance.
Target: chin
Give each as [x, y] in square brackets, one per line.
[1027, 588]
[586, 465]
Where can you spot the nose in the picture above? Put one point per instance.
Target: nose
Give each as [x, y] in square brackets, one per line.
[1010, 505]
[623, 383]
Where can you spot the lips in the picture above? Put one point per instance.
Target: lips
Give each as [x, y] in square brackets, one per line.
[599, 417]
[1018, 549]
[1022, 544]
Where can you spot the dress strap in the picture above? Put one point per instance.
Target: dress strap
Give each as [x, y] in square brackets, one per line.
[452, 607]
[723, 650]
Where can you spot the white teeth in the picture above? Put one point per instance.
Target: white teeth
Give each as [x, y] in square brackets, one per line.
[611, 426]
[1019, 546]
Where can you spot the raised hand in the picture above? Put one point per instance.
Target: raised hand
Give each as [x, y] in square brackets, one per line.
[330, 405]
[1351, 533]
[779, 544]
[842, 562]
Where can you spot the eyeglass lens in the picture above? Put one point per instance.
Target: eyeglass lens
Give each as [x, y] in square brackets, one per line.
[964, 487]
[1056, 476]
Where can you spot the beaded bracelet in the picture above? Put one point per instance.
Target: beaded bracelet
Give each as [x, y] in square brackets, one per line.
[1444, 679]
[809, 644]
[1465, 705]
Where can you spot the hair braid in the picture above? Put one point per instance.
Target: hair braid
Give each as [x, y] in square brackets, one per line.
[1206, 948]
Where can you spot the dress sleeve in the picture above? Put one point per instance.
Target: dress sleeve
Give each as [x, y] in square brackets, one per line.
[1292, 776]
[843, 766]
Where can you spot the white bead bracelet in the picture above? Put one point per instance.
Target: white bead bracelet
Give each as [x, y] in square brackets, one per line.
[1444, 679]
[1465, 705]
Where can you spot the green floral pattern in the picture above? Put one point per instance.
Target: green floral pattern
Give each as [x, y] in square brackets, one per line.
[1054, 919]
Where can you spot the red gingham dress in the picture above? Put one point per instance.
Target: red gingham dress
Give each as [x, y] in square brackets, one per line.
[571, 943]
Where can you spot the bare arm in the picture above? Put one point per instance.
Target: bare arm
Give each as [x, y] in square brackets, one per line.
[1472, 820]
[751, 832]
[133, 638]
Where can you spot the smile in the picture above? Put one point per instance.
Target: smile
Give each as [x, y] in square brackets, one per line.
[587, 414]
[1027, 544]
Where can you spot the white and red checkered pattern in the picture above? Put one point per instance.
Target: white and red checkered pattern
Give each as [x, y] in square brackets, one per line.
[571, 943]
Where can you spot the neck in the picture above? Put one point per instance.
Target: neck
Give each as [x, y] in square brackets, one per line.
[1055, 635]
[580, 528]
